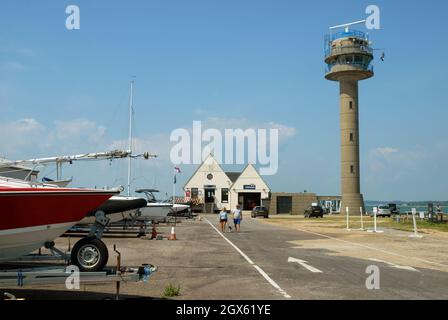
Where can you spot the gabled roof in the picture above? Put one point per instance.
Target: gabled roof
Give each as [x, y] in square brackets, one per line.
[250, 168]
[233, 176]
[210, 160]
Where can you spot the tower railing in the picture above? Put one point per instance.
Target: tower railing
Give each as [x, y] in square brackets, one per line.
[346, 34]
[347, 50]
[361, 65]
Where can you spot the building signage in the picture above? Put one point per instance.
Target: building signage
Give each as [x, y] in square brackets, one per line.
[249, 187]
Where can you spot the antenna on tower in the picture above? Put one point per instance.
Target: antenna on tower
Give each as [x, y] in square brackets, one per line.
[347, 25]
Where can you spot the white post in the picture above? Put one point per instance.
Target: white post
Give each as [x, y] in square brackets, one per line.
[415, 235]
[375, 211]
[346, 211]
[362, 222]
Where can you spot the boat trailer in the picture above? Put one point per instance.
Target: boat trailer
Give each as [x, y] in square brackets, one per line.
[70, 275]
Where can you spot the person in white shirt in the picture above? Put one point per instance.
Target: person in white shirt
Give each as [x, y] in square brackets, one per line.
[223, 219]
[237, 217]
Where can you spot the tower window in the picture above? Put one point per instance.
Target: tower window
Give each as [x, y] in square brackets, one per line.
[350, 104]
[351, 136]
[352, 169]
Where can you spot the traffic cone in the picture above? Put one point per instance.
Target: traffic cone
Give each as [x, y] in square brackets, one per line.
[173, 234]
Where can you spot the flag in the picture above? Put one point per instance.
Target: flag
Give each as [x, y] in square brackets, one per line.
[174, 179]
[383, 55]
[177, 169]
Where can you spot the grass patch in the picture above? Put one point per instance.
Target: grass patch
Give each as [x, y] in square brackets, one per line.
[407, 225]
[171, 291]
[339, 222]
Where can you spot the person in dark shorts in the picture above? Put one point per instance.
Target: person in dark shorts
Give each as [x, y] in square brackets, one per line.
[237, 217]
[223, 219]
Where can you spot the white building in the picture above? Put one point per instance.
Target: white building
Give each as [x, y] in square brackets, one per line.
[212, 186]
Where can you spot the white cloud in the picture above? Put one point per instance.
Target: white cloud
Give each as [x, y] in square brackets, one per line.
[384, 151]
[285, 132]
[394, 163]
[13, 65]
[78, 129]
[30, 138]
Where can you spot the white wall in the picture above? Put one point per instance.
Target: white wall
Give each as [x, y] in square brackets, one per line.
[220, 180]
[247, 177]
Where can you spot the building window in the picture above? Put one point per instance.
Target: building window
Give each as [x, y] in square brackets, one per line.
[351, 136]
[350, 104]
[194, 193]
[224, 195]
[352, 169]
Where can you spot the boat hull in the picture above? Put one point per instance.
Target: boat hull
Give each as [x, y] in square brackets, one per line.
[30, 217]
[155, 211]
[18, 242]
[117, 208]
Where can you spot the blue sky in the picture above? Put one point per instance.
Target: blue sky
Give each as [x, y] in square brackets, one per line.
[228, 63]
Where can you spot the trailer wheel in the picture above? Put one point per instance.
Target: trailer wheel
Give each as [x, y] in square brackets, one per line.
[90, 254]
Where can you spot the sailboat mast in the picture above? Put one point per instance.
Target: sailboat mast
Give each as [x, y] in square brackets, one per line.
[131, 102]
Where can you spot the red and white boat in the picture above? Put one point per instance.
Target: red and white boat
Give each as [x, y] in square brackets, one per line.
[34, 214]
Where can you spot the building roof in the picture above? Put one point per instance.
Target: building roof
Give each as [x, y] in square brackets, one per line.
[233, 176]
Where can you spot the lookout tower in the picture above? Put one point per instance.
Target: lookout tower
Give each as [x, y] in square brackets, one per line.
[348, 56]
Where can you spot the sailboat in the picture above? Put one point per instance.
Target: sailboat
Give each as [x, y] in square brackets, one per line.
[157, 210]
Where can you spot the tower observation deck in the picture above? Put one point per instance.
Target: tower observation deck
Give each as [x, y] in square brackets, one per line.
[348, 56]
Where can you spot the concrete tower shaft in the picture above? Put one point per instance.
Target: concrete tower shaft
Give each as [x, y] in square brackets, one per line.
[350, 164]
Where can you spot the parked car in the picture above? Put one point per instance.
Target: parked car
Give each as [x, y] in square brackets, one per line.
[260, 211]
[314, 211]
[393, 208]
[384, 211]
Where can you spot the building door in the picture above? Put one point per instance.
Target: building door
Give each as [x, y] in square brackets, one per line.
[209, 195]
[249, 200]
[284, 205]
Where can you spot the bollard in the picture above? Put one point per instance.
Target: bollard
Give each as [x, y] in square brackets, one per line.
[346, 211]
[362, 222]
[375, 230]
[415, 234]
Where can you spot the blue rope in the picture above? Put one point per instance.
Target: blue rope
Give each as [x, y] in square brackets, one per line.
[20, 278]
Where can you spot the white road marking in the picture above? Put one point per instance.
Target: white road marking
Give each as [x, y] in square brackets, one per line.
[373, 248]
[304, 264]
[261, 271]
[395, 265]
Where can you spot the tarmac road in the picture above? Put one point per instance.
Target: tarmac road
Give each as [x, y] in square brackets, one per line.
[324, 276]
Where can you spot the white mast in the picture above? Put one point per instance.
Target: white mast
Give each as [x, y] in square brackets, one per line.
[131, 101]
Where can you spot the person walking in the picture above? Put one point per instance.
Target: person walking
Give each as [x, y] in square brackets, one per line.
[237, 218]
[223, 219]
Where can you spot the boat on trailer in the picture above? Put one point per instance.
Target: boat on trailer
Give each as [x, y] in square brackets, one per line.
[32, 215]
[157, 210]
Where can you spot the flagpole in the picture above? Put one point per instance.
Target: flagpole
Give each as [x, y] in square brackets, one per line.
[131, 105]
[174, 185]
[174, 194]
